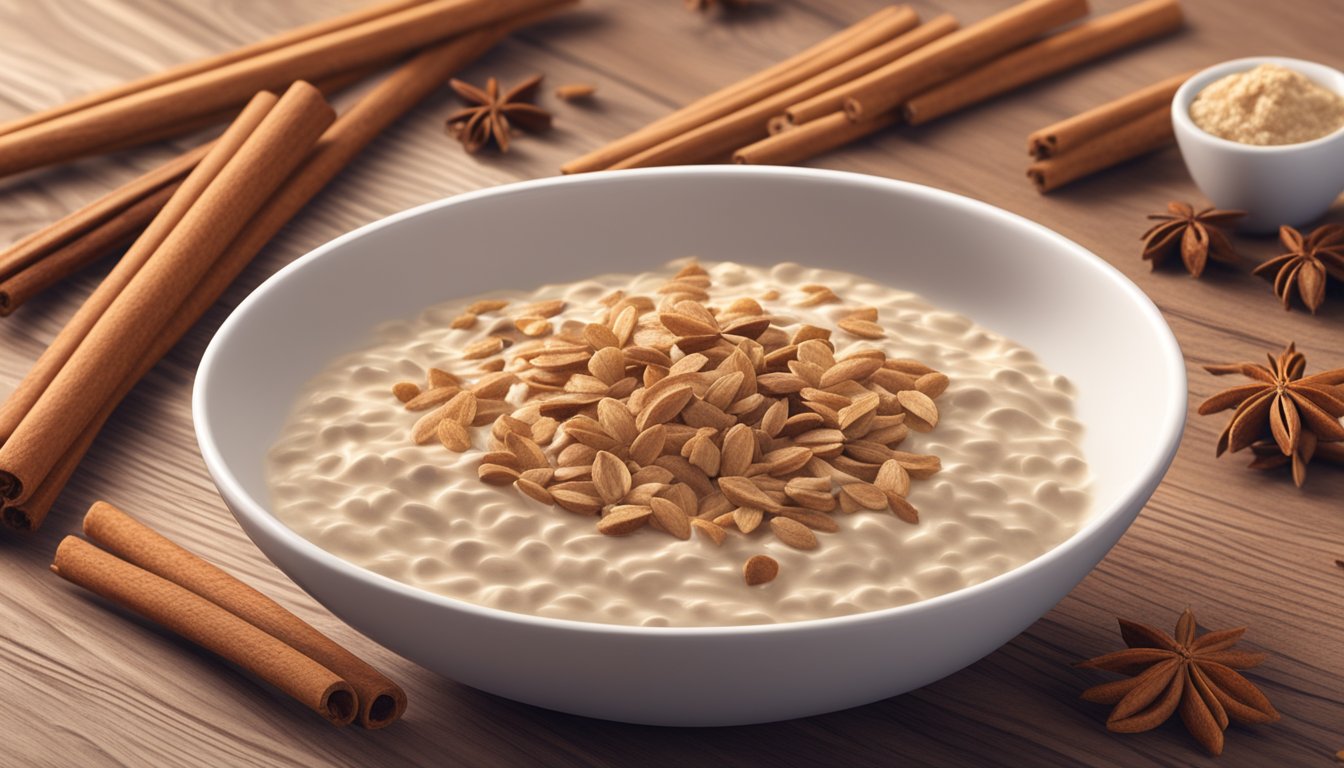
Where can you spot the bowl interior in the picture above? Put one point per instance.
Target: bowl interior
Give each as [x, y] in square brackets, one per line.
[1077, 313]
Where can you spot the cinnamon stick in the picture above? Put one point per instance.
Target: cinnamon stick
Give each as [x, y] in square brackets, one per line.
[121, 120]
[202, 622]
[119, 231]
[109, 352]
[381, 701]
[379, 108]
[834, 51]
[716, 139]
[1147, 134]
[1067, 134]
[34, 247]
[54, 357]
[890, 86]
[173, 74]
[800, 142]
[1084, 42]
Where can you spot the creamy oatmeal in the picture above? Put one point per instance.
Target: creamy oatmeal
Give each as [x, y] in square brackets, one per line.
[346, 474]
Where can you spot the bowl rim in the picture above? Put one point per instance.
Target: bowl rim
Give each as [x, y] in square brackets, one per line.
[1185, 96]
[243, 505]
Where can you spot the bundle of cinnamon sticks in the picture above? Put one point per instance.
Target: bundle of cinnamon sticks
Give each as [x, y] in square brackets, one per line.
[884, 70]
[133, 566]
[218, 206]
[1104, 136]
[332, 54]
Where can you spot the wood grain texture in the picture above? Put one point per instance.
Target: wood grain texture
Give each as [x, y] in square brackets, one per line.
[89, 687]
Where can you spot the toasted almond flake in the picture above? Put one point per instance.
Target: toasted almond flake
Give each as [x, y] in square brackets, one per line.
[902, 508]
[575, 91]
[867, 452]
[534, 490]
[584, 430]
[502, 458]
[893, 478]
[491, 366]
[703, 455]
[441, 378]
[461, 408]
[743, 492]
[709, 530]
[671, 517]
[530, 455]
[744, 306]
[463, 321]
[864, 329]
[932, 384]
[682, 325]
[453, 435]
[780, 383]
[540, 476]
[865, 495]
[663, 407]
[607, 365]
[506, 424]
[739, 448]
[405, 391]
[918, 405]
[544, 429]
[793, 533]
[816, 437]
[600, 336]
[483, 348]
[426, 427]
[642, 493]
[494, 386]
[432, 397]
[747, 519]
[862, 406]
[496, 474]
[611, 477]
[623, 325]
[568, 361]
[624, 520]
[776, 415]
[808, 333]
[576, 454]
[487, 305]
[549, 308]
[746, 327]
[817, 298]
[577, 502]
[687, 473]
[920, 466]
[563, 406]
[760, 569]
[648, 445]
[783, 461]
[817, 520]
[531, 325]
[852, 369]
[569, 474]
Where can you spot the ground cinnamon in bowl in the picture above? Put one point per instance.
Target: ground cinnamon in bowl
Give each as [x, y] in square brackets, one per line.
[1268, 105]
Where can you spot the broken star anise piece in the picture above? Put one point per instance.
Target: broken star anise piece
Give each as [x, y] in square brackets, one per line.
[1197, 676]
[492, 114]
[1196, 236]
[1306, 265]
[1281, 404]
[1268, 456]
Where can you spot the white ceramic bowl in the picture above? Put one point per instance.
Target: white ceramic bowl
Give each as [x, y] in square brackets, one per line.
[1083, 318]
[1284, 184]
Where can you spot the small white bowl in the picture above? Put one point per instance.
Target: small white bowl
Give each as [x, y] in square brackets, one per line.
[1282, 184]
[1080, 315]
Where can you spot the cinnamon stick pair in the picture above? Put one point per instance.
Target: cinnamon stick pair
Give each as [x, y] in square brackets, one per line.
[212, 88]
[1104, 136]
[135, 567]
[382, 106]
[919, 94]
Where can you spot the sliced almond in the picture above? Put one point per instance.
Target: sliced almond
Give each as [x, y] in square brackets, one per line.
[709, 530]
[607, 365]
[487, 305]
[932, 384]
[903, 508]
[852, 369]
[814, 519]
[664, 406]
[530, 455]
[739, 449]
[760, 569]
[671, 517]
[920, 406]
[703, 454]
[600, 336]
[784, 461]
[453, 435]
[864, 329]
[577, 502]
[893, 478]
[494, 386]
[549, 308]
[461, 408]
[432, 397]
[793, 533]
[611, 477]
[648, 446]
[496, 474]
[534, 490]
[483, 348]
[745, 493]
[865, 495]
[405, 391]
[624, 520]
[747, 519]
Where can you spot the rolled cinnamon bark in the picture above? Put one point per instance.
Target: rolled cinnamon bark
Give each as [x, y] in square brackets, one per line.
[119, 231]
[715, 140]
[1084, 42]
[174, 74]
[379, 108]
[1147, 134]
[809, 139]
[831, 52]
[121, 120]
[381, 701]
[112, 347]
[1067, 134]
[890, 86]
[36, 246]
[206, 624]
[16, 407]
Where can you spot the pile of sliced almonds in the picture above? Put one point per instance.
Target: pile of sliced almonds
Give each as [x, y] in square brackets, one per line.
[683, 417]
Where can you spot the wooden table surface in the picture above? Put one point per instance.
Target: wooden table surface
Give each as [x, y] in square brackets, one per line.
[87, 686]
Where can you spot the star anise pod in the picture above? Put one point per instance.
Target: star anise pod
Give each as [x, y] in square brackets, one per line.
[1196, 236]
[1197, 676]
[1278, 404]
[1304, 268]
[492, 115]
